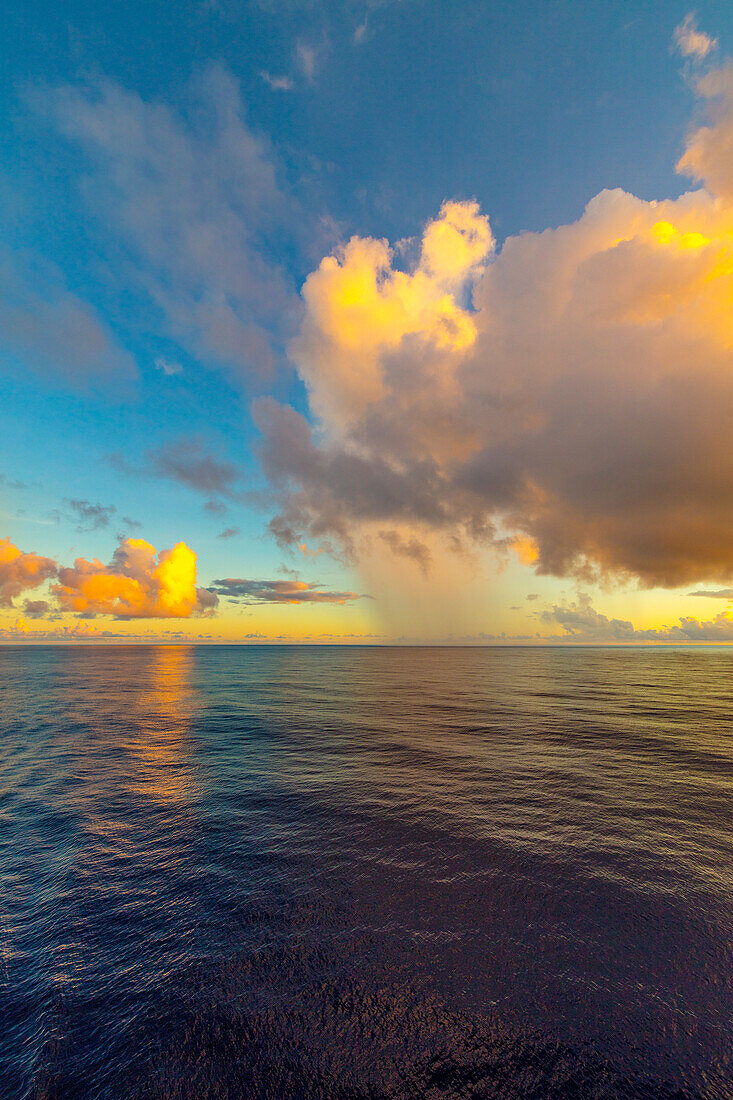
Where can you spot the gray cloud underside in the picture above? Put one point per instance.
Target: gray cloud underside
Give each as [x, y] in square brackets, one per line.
[293, 592]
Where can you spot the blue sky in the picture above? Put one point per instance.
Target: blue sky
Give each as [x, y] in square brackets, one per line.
[171, 174]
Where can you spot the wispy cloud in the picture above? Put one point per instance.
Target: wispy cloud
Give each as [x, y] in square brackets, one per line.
[187, 461]
[194, 197]
[12, 483]
[168, 367]
[692, 42]
[280, 83]
[90, 517]
[49, 330]
[307, 57]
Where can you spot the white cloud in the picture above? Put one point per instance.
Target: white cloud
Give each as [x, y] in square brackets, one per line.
[168, 367]
[307, 57]
[692, 42]
[278, 83]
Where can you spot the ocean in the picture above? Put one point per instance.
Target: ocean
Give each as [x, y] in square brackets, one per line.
[365, 872]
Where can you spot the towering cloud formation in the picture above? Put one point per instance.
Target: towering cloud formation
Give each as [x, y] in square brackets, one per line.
[19, 571]
[135, 584]
[571, 396]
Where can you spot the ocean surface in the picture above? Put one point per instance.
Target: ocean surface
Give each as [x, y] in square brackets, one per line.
[365, 873]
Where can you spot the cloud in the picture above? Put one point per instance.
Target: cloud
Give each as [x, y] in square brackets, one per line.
[278, 83]
[716, 594]
[568, 395]
[692, 42]
[228, 533]
[187, 461]
[20, 571]
[50, 331]
[91, 517]
[289, 591]
[582, 623]
[136, 584]
[708, 156]
[533, 596]
[308, 552]
[168, 367]
[307, 59]
[80, 631]
[36, 608]
[408, 548]
[193, 197]
[11, 483]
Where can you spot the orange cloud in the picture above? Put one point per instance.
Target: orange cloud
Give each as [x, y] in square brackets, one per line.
[569, 394]
[361, 309]
[136, 584]
[19, 571]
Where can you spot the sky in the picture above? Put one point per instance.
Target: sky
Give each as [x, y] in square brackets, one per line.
[367, 322]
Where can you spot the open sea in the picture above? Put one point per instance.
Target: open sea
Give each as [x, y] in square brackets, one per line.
[234, 872]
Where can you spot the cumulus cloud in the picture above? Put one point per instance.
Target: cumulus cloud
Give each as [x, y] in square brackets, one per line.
[568, 398]
[582, 623]
[288, 591]
[21, 571]
[195, 198]
[692, 42]
[138, 583]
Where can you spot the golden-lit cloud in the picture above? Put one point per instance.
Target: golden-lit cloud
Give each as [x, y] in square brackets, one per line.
[569, 396]
[137, 584]
[20, 571]
[361, 310]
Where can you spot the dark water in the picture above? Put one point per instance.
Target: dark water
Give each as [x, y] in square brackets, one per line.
[252, 872]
